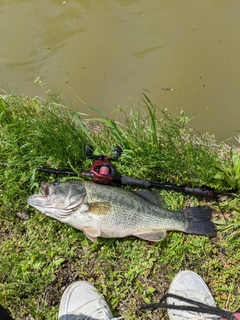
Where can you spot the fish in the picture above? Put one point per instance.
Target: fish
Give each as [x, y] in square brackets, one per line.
[114, 212]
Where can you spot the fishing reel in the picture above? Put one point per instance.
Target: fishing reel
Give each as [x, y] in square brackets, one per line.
[102, 170]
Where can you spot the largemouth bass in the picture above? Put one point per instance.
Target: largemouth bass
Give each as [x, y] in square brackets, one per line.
[112, 212]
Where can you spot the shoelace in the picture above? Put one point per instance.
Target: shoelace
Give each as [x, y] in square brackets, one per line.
[197, 306]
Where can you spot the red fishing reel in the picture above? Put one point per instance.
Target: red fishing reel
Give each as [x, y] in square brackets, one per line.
[102, 170]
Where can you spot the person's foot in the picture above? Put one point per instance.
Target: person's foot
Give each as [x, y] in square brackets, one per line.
[80, 301]
[190, 285]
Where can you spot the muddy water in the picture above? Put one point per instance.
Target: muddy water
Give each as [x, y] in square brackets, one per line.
[107, 52]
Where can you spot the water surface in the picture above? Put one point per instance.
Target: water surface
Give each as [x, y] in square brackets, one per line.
[107, 52]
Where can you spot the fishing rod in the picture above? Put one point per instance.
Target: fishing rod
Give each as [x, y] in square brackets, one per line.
[103, 171]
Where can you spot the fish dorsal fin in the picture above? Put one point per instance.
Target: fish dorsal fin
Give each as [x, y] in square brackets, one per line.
[92, 233]
[151, 196]
[151, 236]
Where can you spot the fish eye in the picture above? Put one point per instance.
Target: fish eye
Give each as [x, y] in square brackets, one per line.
[56, 183]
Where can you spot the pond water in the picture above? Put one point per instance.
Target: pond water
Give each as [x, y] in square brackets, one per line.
[109, 52]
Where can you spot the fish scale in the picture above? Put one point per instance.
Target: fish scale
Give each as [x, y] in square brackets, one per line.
[135, 210]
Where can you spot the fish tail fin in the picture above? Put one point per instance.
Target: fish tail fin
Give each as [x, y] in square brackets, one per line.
[199, 221]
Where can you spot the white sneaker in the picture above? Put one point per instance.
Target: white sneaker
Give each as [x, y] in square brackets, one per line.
[80, 301]
[190, 285]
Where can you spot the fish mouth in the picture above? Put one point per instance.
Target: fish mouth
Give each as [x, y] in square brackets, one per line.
[36, 199]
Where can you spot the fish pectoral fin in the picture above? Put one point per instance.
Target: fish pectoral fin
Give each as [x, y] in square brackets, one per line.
[152, 235]
[99, 208]
[92, 233]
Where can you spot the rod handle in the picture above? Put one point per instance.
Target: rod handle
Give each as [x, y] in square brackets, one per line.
[135, 182]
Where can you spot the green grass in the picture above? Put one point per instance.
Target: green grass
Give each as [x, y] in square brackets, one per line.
[41, 256]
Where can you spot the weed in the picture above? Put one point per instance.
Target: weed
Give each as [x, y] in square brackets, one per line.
[228, 174]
